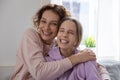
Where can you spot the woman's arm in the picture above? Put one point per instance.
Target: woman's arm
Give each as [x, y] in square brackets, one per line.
[82, 56]
[103, 72]
[32, 51]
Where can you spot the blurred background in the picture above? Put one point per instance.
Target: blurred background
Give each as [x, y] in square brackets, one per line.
[100, 19]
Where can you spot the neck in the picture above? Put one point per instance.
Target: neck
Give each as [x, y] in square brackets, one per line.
[67, 52]
[47, 42]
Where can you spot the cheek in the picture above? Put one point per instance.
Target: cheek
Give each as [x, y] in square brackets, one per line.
[73, 40]
[55, 30]
[59, 35]
[40, 26]
[58, 38]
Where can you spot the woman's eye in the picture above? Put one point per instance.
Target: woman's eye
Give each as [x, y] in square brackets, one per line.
[55, 24]
[61, 30]
[43, 21]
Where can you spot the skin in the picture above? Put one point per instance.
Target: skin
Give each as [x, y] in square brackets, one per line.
[48, 26]
[67, 38]
[48, 29]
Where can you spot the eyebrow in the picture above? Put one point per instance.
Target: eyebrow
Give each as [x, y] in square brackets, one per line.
[69, 30]
[72, 30]
[61, 28]
[51, 21]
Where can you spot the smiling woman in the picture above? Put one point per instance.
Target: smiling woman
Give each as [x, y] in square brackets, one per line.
[48, 27]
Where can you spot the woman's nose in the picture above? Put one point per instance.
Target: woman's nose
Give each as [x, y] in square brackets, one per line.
[47, 26]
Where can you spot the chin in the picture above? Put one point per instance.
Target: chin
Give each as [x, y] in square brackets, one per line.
[63, 47]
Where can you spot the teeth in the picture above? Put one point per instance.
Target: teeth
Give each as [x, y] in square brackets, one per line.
[46, 33]
[64, 41]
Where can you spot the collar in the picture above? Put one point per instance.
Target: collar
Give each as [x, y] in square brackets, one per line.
[55, 53]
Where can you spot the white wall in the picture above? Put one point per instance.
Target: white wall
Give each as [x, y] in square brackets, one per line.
[15, 17]
[108, 29]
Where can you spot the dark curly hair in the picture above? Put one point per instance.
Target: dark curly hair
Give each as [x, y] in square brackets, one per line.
[58, 9]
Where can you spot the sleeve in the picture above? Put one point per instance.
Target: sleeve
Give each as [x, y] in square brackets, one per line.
[91, 70]
[103, 72]
[36, 64]
[49, 59]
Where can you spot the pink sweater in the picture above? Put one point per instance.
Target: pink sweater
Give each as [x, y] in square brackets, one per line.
[31, 64]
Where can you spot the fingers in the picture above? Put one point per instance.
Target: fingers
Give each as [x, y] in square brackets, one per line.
[91, 54]
[87, 55]
[92, 57]
[83, 56]
[88, 50]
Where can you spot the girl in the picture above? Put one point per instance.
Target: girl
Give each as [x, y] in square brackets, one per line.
[68, 38]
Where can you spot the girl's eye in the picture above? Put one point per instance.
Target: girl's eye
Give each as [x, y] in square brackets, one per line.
[71, 33]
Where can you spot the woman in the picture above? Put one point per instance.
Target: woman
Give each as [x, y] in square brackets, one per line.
[37, 41]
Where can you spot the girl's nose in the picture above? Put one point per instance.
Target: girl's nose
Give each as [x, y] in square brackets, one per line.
[65, 34]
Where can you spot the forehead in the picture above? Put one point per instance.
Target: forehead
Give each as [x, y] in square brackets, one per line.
[50, 15]
[68, 24]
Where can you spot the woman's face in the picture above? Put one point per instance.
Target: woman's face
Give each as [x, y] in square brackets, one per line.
[67, 36]
[48, 26]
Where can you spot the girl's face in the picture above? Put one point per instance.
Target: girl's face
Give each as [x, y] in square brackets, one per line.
[67, 36]
[48, 26]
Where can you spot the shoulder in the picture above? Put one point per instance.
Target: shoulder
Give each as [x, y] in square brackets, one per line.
[54, 50]
[31, 36]
[31, 31]
[77, 50]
